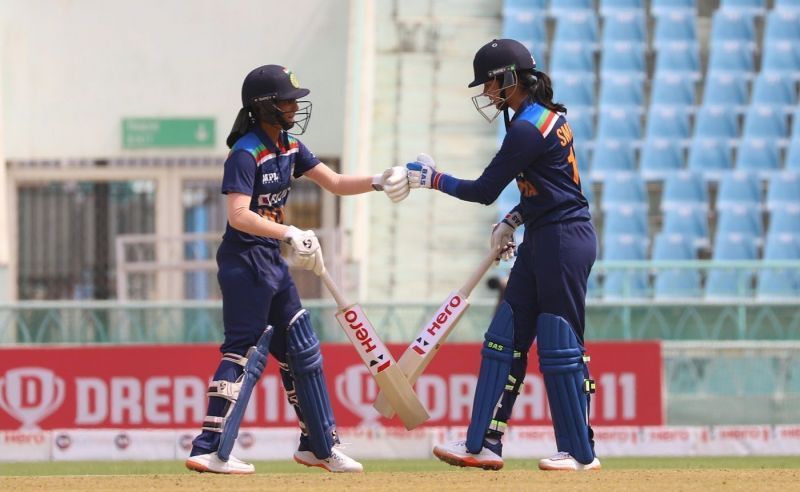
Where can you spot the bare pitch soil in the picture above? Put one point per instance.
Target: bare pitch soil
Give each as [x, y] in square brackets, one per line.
[466, 479]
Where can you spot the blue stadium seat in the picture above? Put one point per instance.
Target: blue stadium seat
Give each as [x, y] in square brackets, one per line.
[689, 222]
[780, 283]
[578, 26]
[745, 6]
[678, 57]
[725, 89]
[773, 89]
[727, 25]
[588, 191]
[758, 155]
[527, 27]
[674, 26]
[608, 7]
[674, 283]
[790, 5]
[668, 122]
[712, 121]
[618, 123]
[559, 8]
[611, 157]
[745, 220]
[672, 89]
[731, 282]
[782, 25]
[781, 56]
[571, 58]
[624, 283]
[731, 56]
[624, 220]
[783, 191]
[711, 157]
[786, 221]
[621, 90]
[739, 189]
[624, 26]
[796, 123]
[582, 156]
[574, 90]
[765, 122]
[793, 153]
[660, 157]
[622, 58]
[661, 7]
[581, 120]
[684, 189]
[624, 190]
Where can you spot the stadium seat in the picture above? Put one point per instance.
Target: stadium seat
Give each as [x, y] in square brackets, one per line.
[765, 122]
[790, 5]
[660, 157]
[689, 222]
[668, 122]
[711, 157]
[571, 58]
[744, 219]
[560, 8]
[622, 58]
[727, 25]
[608, 7]
[674, 26]
[527, 27]
[779, 282]
[624, 26]
[672, 89]
[716, 122]
[574, 90]
[731, 282]
[581, 120]
[684, 190]
[678, 58]
[625, 220]
[781, 56]
[786, 221]
[676, 282]
[620, 90]
[661, 7]
[782, 25]
[758, 155]
[588, 191]
[773, 89]
[582, 156]
[577, 26]
[731, 56]
[624, 190]
[725, 89]
[753, 7]
[611, 157]
[796, 123]
[624, 283]
[783, 191]
[739, 189]
[618, 123]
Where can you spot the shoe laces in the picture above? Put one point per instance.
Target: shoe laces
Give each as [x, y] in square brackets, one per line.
[561, 455]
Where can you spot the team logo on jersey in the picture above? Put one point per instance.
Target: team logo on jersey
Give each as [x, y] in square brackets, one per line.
[270, 178]
[271, 199]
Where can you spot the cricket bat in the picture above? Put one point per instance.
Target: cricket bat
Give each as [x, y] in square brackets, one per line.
[393, 384]
[426, 344]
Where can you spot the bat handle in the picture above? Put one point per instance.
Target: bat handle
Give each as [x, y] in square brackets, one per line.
[341, 301]
[483, 267]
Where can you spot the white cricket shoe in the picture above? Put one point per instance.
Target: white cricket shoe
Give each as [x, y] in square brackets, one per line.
[455, 453]
[564, 462]
[338, 462]
[211, 463]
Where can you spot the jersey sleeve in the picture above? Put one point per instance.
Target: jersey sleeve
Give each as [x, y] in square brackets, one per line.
[305, 160]
[521, 146]
[239, 174]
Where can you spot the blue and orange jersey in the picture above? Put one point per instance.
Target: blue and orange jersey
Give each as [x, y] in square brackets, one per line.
[262, 169]
[538, 153]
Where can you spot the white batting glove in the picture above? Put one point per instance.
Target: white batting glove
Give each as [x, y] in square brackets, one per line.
[421, 172]
[503, 236]
[306, 251]
[393, 182]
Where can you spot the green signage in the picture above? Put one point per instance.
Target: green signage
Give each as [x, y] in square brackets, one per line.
[152, 133]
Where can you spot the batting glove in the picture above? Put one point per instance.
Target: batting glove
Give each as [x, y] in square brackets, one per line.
[393, 182]
[422, 172]
[503, 236]
[306, 251]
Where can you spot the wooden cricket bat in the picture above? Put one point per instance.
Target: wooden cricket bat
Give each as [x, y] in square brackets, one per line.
[428, 341]
[399, 394]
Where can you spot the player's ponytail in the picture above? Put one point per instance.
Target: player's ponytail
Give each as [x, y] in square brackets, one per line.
[541, 90]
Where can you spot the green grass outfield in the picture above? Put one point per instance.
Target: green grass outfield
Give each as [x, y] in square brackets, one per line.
[431, 465]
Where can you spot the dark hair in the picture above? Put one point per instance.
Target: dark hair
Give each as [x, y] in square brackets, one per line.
[541, 89]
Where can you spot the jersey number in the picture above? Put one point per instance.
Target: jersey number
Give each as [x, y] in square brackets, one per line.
[574, 161]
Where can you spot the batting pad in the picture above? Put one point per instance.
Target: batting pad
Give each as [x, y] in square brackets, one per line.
[562, 366]
[496, 357]
[305, 362]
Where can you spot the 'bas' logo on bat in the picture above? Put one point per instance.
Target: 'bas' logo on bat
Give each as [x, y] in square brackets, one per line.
[364, 337]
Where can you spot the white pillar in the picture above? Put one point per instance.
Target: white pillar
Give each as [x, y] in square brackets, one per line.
[5, 223]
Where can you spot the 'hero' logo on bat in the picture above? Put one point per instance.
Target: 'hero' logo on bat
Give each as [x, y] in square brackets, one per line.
[439, 320]
[362, 334]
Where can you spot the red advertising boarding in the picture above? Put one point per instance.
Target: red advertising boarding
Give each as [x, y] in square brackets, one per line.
[164, 386]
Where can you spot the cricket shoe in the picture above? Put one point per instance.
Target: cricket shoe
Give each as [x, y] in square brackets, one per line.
[338, 462]
[211, 463]
[564, 462]
[456, 454]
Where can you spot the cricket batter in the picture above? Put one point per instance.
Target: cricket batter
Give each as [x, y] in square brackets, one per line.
[546, 292]
[262, 312]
